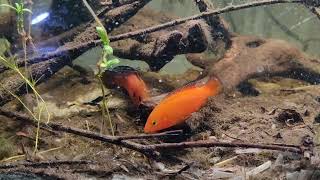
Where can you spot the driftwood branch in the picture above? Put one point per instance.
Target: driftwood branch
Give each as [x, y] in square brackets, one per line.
[200, 16]
[194, 37]
[207, 14]
[315, 11]
[45, 69]
[220, 32]
[210, 143]
[81, 47]
[231, 71]
[82, 38]
[250, 57]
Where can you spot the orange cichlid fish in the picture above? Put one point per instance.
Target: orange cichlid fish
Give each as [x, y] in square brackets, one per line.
[175, 108]
[129, 79]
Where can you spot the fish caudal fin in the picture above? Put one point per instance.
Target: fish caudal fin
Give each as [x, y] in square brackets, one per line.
[212, 83]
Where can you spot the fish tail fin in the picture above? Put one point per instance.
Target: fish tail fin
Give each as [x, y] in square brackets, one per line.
[214, 84]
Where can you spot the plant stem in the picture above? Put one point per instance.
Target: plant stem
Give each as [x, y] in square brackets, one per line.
[26, 76]
[29, 38]
[104, 103]
[93, 13]
[24, 46]
[104, 55]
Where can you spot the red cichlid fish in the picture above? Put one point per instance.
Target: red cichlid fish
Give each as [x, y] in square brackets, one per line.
[175, 108]
[129, 79]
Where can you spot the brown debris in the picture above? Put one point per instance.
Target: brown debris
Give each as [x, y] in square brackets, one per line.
[289, 116]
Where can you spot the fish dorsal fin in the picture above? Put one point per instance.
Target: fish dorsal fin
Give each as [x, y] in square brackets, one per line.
[189, 85]
[127, 70]
[122, 70]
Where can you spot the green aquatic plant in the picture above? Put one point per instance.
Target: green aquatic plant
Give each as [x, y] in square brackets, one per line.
[11, 64]
[106, 61]
[20, 10]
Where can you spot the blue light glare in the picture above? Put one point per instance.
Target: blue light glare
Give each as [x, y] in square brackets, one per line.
[40, 18]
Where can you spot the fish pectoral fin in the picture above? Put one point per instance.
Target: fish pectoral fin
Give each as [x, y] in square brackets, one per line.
[153, 101]
[149, 104]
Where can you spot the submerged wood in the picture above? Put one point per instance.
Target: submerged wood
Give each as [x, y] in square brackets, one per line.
[193, 37]
[45, 69]
[251, 56]
[161, 50]
[89, 43]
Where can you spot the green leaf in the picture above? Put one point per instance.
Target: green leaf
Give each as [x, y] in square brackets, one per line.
[103, 35]
[18, 7]
[27, 10]
[8, 6]
[108, 50]
[103, 64]
[110, 63]
[8, 62]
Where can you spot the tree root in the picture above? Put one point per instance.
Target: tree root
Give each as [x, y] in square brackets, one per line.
[251, 56]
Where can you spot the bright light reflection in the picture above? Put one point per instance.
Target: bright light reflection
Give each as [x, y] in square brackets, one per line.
[40, 18]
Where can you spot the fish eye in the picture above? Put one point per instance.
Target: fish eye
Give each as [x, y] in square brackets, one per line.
[154, 122]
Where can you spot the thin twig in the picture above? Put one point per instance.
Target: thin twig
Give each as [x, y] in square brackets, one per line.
[59, 127]
[117, 140]
[148, 136]
[209, 143]
[46, 164]
[23, 155]
[200, 16]
[76, 131]
[224, 162]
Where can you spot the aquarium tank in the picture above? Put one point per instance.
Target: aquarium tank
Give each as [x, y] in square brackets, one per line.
[159, 89]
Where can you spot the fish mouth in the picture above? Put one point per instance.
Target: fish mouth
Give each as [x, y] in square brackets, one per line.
[148, 130]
